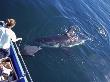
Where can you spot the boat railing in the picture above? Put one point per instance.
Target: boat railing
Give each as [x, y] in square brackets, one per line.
[24, 64]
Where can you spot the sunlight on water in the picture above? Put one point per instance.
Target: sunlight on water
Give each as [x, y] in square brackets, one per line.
[103, 32]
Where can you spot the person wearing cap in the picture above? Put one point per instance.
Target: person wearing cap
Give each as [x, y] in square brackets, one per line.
[6, 35]
[4, 72]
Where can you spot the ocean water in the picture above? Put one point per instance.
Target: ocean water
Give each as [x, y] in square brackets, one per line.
[89, 62]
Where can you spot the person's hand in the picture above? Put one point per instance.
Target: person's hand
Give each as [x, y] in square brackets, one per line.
[19, 38]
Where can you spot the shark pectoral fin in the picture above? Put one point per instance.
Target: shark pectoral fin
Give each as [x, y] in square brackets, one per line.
[31, 50]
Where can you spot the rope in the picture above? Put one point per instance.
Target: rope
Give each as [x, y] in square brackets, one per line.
[23, 62]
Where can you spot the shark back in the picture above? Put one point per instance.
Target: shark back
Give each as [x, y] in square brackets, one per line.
[71, 37]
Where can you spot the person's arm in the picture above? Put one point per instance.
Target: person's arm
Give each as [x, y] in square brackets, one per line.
[17, 39]
[13, 36]
[2, 23]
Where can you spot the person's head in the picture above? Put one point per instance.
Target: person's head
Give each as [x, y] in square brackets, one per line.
[10, 23]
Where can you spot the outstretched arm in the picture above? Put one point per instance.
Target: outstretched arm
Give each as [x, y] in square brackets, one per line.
[17, 39]
[13, 36]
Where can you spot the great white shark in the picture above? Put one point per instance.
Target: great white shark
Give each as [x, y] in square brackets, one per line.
[71, 38]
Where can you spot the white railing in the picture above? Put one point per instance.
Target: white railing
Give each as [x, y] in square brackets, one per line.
[23, 62]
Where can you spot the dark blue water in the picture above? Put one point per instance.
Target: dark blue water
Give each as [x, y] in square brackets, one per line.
[89, 62]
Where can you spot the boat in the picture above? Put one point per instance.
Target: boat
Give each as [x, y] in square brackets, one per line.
[13, 67]
[14, 64]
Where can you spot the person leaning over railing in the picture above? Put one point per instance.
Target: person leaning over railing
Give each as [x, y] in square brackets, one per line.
[6, 35]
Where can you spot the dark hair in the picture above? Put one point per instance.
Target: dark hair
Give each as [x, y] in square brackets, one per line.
[10, 23]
